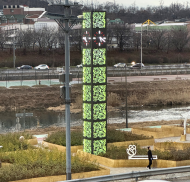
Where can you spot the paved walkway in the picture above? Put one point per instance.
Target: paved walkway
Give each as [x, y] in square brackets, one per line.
[122, 170]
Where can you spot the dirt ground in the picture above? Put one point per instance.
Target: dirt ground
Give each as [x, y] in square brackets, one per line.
[145, 93]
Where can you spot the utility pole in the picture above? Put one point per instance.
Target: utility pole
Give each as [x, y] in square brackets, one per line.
[146, 22]
[66, 22]
[14, 51]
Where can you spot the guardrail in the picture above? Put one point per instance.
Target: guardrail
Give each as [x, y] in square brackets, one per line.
[7, 75]
[136, 174]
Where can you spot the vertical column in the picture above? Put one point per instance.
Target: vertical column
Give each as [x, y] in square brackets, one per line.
[94, 82]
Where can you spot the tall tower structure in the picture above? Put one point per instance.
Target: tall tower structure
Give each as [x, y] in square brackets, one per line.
[94, 82]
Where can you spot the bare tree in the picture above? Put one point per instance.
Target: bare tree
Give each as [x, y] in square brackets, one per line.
[3, 38]
[168, 39]
[40, 38]
[180, 38]
[76, 39]
[122, 34]
[136, 40]
[157, 38]
[61, 38]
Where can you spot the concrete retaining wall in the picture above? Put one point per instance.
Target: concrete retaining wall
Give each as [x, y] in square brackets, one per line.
[162, 146]
[61, 148]
[165, 131]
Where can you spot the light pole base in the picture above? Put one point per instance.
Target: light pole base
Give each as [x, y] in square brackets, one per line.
[68, 176]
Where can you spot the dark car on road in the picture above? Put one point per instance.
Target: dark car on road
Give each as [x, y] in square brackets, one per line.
[24, 67]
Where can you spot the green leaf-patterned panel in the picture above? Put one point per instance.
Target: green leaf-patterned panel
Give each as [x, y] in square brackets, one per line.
[86, 74]
[86, 111]
[99, 111]
[86, 57]
[99, 20]
[99, 129]
[87, 145]
[99, 56]
[99, 146]
[99, 93]
[87, 20]
[87, 93]
[87, 129]
[99, 75]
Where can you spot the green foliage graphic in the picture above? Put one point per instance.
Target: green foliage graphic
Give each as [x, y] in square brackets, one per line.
[86, 56]
[99, 20]
[87, 129]
[87, 20]
[99, 75]
[86, 75]
[99, 111]
[86, 111]
[99, 56]
[99, 146]
[99, 129]
[87, 145]
[99, 93]
[86, 92]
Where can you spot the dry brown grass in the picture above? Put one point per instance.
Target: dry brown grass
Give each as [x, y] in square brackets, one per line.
[113, 99]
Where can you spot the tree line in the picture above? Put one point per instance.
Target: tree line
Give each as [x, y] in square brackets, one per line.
[120, 36]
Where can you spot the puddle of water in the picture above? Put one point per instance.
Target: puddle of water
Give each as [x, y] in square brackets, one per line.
[32, 83]
[153, 114]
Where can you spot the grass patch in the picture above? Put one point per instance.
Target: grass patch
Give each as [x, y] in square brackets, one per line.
[115, 152]
[59, 137]
[11, 142]
[39, 163]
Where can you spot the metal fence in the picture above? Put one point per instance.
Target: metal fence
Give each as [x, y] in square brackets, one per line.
[8, 75]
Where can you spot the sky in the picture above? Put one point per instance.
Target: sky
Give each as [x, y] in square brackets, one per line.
[138, 3]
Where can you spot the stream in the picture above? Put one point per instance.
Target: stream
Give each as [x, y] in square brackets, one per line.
[9, 122]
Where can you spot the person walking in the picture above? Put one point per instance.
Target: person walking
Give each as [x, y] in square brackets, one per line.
[149, 158]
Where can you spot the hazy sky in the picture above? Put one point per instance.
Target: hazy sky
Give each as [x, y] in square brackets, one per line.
[138, 3]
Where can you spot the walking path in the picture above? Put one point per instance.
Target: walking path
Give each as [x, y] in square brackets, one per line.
[121, 170]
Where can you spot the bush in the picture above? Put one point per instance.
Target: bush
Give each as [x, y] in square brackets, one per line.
[10, 142]
[59, 137]
[115, 152]
[121, 136]
[39, 163]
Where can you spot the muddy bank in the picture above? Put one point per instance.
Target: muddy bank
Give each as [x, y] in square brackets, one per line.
[138, 93]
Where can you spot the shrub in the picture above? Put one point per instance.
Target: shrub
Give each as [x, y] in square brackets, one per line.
[113, 99]
[115, 152]
[59, 138]
[39, 163]
[10, 141]
[113, 135]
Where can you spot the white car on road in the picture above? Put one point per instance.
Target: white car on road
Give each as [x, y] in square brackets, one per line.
[42, 67]
[120, 65]
[79, 66]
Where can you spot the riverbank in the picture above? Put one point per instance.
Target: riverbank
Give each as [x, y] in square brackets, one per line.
[150, 93]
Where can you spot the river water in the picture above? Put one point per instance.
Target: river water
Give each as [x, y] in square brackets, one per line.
[9, 122]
